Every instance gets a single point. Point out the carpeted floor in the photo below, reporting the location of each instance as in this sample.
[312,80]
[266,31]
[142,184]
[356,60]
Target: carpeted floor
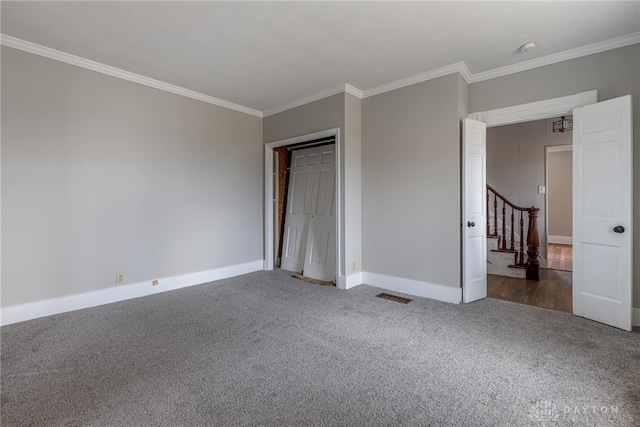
[268,349]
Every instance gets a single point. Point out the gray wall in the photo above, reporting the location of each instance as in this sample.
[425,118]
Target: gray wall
[326,113]
[560,193]
[411,182]
[516,165]
[613,73]
[100,176]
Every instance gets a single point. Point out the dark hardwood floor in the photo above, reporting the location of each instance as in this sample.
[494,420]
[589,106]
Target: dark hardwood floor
[553,291]
[560,257]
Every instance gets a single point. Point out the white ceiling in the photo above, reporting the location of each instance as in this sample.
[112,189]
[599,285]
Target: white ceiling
[264,55]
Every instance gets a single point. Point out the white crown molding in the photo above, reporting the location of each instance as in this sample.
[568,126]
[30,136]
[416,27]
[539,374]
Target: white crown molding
[465,73]
[78,61]
[558,57]
[463,70]
[352,90]
[312,98]
[458,67]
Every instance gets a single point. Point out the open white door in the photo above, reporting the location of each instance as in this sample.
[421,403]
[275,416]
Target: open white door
[602,212]
[303,187]
[474,211]
[320,259]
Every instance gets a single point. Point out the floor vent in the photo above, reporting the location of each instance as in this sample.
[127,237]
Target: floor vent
[394,298]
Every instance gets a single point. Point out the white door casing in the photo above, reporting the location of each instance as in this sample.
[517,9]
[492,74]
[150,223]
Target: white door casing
[602,201]
[474,218]
[320,258]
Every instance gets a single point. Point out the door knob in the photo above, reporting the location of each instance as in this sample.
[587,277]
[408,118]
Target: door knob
[471,224]
[618,229]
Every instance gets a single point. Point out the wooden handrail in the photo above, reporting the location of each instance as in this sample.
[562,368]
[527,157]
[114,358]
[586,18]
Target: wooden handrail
[532,266]
[497,193]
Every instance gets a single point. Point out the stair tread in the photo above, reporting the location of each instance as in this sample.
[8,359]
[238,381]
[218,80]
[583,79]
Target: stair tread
[510,251]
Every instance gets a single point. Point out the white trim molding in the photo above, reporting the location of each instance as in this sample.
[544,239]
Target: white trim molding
[559,148]
[98,67]
[561,240]
[458,67]
[346,88]
[590,49]
[304,138]
[269,192]
[462,69]
[352,90]
[413,287]
[34,310]
[535,110]
[350,281]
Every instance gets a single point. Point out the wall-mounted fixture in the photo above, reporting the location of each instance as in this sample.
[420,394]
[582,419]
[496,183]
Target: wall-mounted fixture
[563,124]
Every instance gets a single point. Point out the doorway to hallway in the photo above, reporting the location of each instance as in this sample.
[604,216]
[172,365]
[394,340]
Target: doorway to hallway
[553,291]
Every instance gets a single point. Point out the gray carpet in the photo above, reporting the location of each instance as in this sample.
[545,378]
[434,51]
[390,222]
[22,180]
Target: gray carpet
[268,349]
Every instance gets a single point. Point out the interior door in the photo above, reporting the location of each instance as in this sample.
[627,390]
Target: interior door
[320,259]
[309,242]
[303,177]
[474,218]
[602,212]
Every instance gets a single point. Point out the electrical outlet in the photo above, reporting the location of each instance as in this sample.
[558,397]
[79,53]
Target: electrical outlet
[353,266]
[119,278]
[154,283]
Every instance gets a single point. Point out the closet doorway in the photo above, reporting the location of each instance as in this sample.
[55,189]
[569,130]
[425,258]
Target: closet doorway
[308,237]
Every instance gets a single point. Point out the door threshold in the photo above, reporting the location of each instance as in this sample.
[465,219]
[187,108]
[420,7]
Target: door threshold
[314,281]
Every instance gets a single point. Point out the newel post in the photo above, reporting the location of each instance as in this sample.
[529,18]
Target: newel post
[533,243]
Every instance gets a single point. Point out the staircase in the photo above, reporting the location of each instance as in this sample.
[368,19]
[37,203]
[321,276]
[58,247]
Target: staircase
[501,263]
[505,245]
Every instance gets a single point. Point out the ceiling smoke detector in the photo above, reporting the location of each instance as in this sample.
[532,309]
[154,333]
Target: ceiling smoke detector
[527,47]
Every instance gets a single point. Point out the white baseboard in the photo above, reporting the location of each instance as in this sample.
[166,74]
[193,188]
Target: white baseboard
[350,281]
[560,240]
[635,317]
[33,310]
[413,287]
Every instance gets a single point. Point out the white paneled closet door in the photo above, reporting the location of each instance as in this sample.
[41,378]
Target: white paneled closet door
[310,230]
